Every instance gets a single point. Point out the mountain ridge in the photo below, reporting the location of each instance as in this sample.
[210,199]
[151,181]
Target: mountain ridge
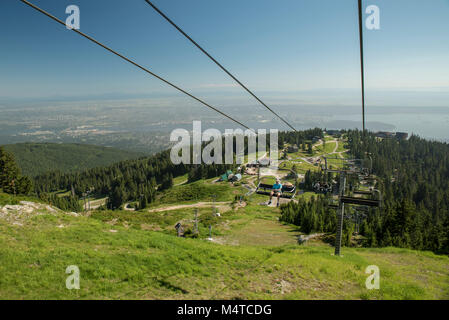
[35,158]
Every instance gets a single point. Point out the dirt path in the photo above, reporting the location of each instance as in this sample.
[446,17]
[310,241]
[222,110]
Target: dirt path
[250,186]
[194,205]
[262,157]
[317,144]
[126,208]
[181,183]
[95,204]
[271,171]
[326,154]
[336,147]
[339,153]
[259,232]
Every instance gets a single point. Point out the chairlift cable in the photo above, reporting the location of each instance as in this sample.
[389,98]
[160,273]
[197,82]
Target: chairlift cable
[135,64]
[218,64]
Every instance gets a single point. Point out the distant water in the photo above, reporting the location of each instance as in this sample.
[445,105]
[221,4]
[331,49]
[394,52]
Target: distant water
[429,123]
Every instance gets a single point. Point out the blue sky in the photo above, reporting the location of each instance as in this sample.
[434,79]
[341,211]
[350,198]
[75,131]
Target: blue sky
[301,49]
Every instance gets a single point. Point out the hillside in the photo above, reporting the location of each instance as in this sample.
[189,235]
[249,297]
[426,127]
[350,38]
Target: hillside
[38,158]
[414,193]
[136,255]
[250,250]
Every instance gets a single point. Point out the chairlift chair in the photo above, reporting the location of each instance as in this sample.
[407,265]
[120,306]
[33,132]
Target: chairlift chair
[322,187]
[287,191]
[373,202]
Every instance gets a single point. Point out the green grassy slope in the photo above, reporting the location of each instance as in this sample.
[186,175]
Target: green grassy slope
[139,264]
[9,199]
[253,256]
[37,158]
[136,254]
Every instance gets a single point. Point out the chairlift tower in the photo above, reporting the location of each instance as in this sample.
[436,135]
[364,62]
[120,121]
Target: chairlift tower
[341,213]
[350,167]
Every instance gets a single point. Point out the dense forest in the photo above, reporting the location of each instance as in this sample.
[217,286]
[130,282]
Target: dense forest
[413,176]
[38,158]
[126,180]
[138,180]
[300,137]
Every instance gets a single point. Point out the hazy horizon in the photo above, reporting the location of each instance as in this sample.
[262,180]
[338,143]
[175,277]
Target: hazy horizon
[300,57]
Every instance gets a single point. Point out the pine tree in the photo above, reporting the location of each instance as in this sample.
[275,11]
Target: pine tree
[143,202]
[10,179]
[309,148]
[386,241]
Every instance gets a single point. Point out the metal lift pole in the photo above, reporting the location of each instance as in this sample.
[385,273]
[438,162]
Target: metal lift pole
[361,61]
[341,214]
